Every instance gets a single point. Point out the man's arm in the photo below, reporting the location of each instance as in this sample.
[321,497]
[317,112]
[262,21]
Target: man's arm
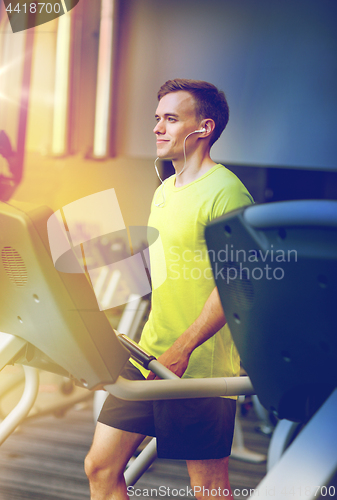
[209,322]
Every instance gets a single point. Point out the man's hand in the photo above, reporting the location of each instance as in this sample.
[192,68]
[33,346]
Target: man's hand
[175,359]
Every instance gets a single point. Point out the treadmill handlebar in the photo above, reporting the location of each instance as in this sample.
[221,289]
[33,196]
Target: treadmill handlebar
[136,352]
[139,390]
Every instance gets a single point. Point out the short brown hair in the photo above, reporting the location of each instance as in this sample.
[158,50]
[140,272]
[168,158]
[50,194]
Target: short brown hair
[209,101]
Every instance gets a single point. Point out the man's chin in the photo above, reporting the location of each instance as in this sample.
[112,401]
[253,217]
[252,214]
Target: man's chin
[162,156]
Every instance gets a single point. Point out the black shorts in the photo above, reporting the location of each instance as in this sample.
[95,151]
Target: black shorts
[186,429]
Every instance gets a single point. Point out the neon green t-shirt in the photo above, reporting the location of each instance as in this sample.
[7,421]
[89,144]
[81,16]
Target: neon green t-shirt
[181,220]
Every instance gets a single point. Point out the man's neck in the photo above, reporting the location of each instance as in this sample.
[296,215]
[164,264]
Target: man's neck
[195,168]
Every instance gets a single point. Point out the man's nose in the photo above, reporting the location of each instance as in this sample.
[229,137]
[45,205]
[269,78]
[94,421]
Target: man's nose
[159,128]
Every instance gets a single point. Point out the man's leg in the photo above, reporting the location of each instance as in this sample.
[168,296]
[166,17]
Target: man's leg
[106,461]
[209,478]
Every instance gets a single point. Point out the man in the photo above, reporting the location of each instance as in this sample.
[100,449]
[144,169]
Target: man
[187,328]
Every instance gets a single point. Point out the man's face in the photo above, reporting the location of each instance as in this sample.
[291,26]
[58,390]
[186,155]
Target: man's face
[176,119]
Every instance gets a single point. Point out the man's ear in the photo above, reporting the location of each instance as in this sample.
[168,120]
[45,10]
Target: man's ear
[209,125]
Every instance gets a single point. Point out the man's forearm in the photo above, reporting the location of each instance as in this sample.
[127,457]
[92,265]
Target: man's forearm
[210,321]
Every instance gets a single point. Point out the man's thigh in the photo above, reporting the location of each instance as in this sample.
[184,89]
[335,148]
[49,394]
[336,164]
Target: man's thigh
[113,447]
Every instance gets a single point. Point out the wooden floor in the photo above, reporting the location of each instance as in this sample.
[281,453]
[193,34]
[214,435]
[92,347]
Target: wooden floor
[43,460]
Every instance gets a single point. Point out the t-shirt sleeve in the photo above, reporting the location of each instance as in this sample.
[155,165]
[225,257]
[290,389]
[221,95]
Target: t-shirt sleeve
[234,195]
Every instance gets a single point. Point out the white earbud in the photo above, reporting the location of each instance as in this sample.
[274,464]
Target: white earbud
[201,130]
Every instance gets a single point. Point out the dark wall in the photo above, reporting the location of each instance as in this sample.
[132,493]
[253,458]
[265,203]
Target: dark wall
[278,184]
[276,62]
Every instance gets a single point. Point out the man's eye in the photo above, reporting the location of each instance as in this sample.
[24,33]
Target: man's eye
[170,119]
